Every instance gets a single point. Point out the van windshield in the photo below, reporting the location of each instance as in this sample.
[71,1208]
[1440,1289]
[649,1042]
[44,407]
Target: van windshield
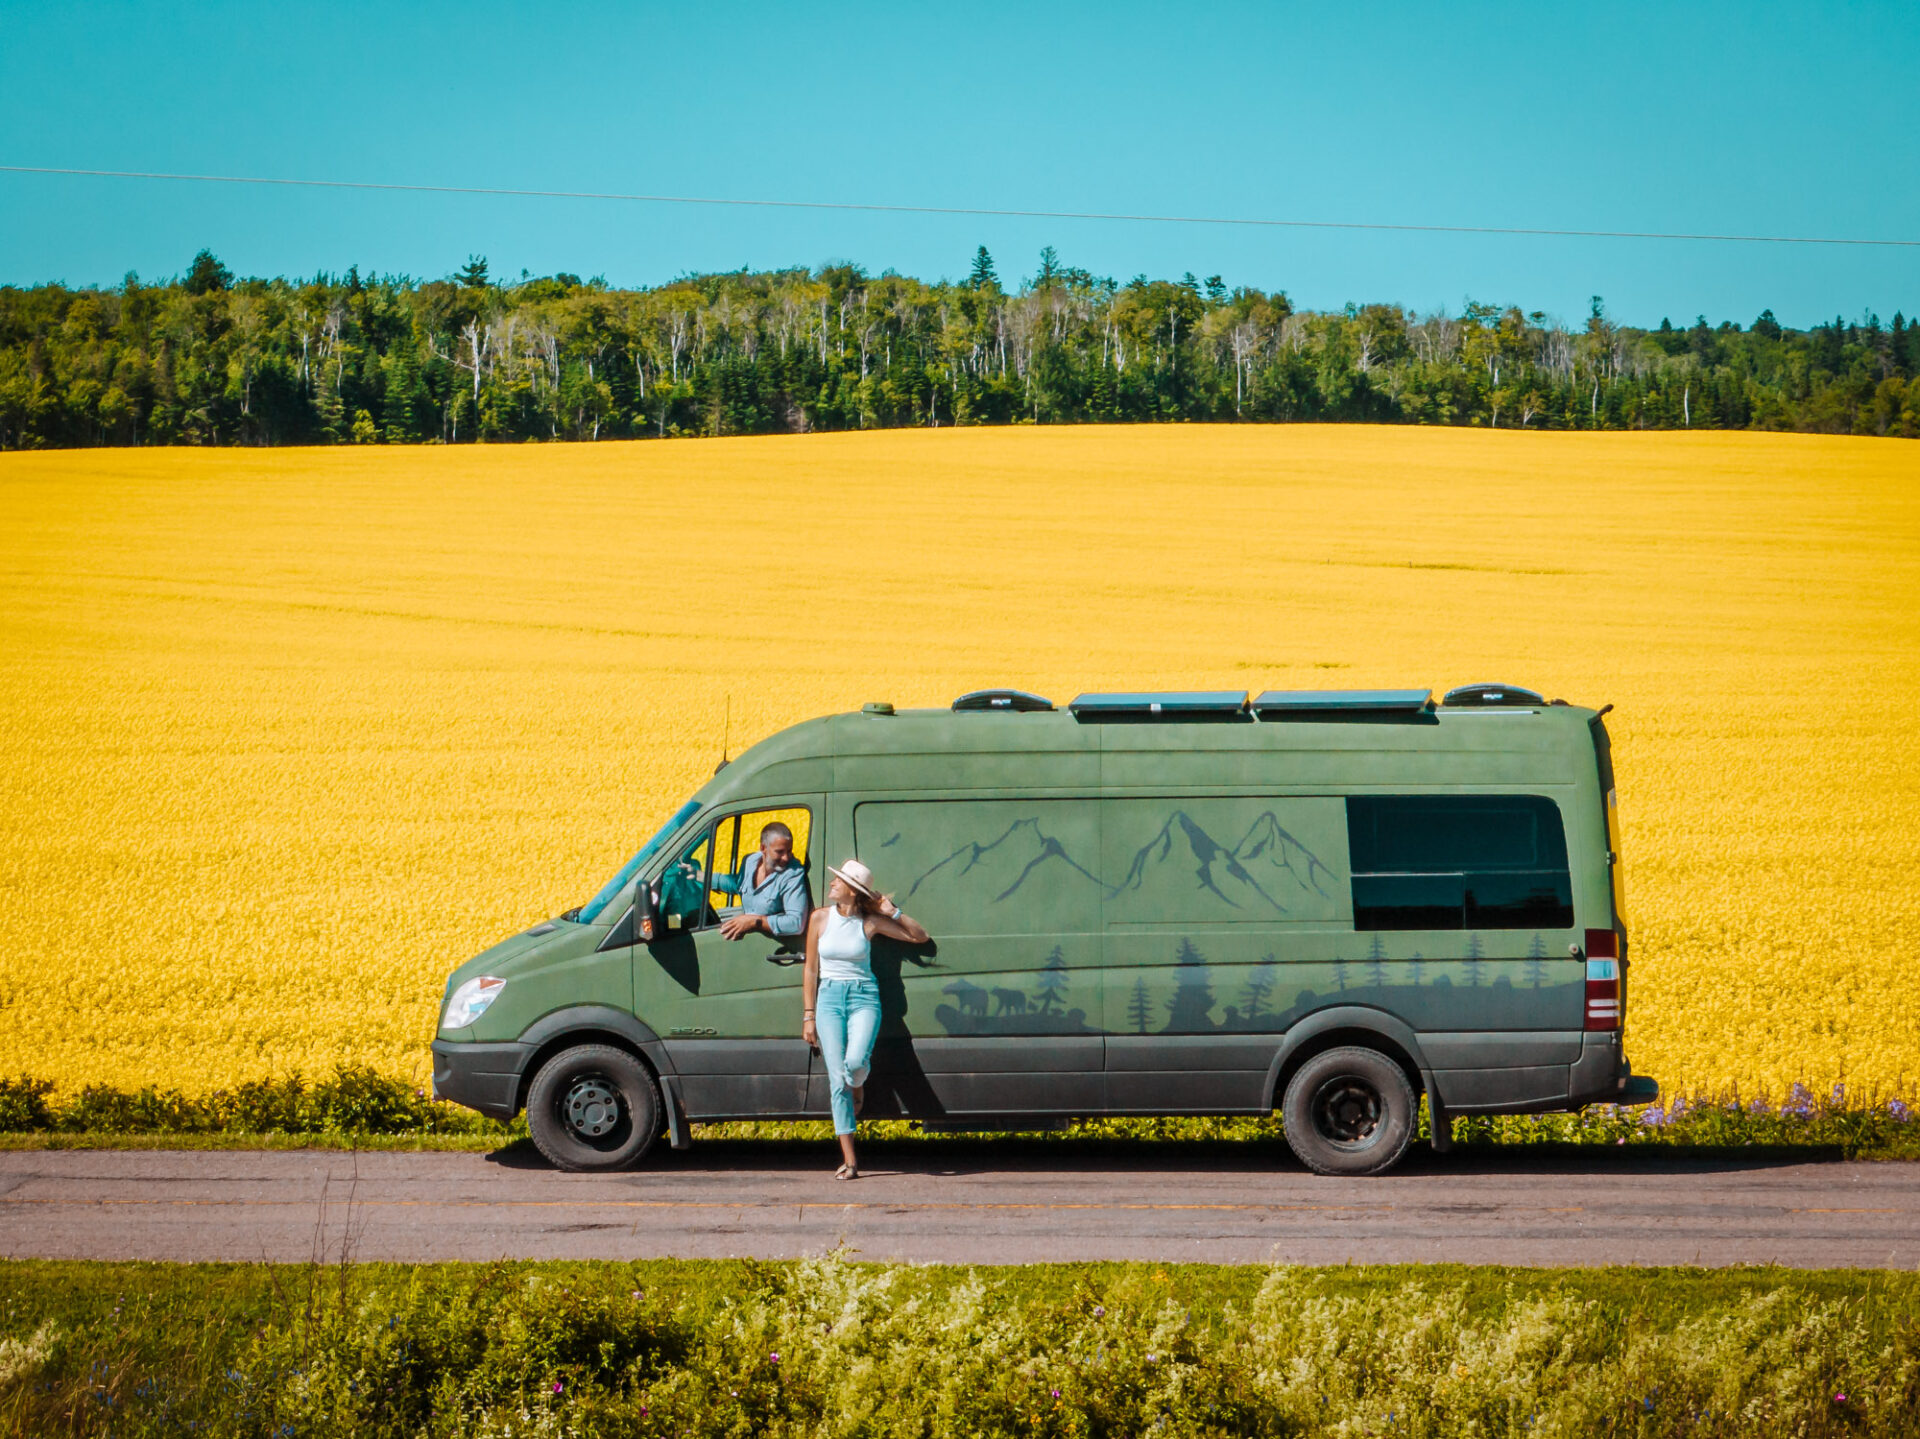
[590,911]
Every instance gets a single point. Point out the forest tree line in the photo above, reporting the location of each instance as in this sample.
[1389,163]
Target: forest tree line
[349,359]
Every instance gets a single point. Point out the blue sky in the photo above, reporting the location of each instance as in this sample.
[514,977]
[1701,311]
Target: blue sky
[1730,117]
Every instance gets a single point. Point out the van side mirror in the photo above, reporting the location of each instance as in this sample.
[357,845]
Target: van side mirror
[646,914]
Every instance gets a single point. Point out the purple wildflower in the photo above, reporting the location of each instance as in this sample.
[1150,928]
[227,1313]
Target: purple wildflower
[1897,1109]
[558,1386]
[1099,1311]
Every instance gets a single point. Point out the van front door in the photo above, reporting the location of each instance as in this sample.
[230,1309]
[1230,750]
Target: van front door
[728,1011]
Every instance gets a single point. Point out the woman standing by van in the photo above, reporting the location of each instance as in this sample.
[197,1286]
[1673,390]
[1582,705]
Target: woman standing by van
[842,1015]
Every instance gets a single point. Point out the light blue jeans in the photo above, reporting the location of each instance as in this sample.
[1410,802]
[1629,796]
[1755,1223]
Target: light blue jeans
[846,1014]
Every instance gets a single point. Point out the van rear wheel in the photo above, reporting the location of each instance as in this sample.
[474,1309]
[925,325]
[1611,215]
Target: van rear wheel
[593,1107]
[1349,1111]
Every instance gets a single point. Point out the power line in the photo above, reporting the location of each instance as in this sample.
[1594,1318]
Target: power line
[957,209]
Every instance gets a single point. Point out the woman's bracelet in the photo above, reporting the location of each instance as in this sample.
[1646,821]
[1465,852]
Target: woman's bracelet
[806,1014]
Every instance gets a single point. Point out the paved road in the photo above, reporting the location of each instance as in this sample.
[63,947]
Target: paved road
[958,1202]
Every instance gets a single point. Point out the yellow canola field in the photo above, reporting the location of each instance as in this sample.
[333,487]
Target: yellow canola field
[287,734]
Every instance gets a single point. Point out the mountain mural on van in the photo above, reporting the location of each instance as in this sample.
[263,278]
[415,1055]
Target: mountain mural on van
[1266,871]
[996,869]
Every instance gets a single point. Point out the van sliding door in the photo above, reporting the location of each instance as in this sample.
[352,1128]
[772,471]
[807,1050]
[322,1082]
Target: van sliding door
[1003,1017]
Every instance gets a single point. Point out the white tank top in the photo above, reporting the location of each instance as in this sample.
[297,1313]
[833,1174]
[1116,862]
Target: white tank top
[844,950]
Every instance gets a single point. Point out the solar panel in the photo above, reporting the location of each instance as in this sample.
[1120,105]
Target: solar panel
[1166,705]
[1343,704]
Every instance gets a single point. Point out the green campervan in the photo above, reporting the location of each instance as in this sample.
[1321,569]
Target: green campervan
[1326,902]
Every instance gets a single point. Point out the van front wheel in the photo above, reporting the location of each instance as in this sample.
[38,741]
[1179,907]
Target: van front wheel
[1349,1111]
[593,1107]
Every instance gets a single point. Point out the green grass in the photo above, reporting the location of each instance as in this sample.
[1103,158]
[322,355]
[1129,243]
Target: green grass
[828,1347]
[359,1108]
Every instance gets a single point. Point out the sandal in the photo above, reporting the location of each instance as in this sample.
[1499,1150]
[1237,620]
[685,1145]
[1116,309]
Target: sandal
[846,1171]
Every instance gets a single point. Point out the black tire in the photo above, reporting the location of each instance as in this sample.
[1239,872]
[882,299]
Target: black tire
[594,1107]
[1349,1111]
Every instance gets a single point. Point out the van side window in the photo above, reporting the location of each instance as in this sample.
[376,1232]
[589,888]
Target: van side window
[688,895]
[1458,862]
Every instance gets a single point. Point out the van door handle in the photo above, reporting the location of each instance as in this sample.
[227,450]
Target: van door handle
[785,956]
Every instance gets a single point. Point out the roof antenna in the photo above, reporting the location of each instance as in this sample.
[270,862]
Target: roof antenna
[726,736]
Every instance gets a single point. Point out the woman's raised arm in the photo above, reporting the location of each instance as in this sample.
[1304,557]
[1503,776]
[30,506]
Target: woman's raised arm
[895,923]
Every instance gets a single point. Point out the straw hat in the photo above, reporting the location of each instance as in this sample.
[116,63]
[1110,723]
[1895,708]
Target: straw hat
[857,875]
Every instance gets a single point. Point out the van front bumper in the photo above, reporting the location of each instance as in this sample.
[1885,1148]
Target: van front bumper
[485,1077]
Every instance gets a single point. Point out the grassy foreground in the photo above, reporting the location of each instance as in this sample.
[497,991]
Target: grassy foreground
[826,1347]
[357,1108]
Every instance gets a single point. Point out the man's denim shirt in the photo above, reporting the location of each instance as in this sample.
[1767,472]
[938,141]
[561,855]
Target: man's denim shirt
[784,899]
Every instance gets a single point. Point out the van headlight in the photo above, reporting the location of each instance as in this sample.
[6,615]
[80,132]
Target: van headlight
[470,1001]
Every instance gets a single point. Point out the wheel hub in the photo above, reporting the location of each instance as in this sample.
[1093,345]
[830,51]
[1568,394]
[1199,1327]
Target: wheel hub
[592,1108]
[1347,1111]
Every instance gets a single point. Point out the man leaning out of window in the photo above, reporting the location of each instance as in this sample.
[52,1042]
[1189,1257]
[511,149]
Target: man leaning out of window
[772,889]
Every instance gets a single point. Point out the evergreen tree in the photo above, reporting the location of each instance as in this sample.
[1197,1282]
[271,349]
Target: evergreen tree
[1139,1007]
[1190,1009]
[1537,961]
[206,275]
[1476,954]
[1053,983]
[473,274]
[1259,985]
[1377,963]
[982,277]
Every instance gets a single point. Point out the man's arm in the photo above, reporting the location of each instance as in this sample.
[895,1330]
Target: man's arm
[791,918]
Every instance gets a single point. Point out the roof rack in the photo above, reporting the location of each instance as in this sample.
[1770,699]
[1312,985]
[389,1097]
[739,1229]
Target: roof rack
[1377,706]
[1217,706]
[1018,700]
[1491,694]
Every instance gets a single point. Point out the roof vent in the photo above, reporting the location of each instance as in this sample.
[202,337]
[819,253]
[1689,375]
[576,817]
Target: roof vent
[1478,696]
[1019,700]
[1189,706]
[876,707]
[1379,706]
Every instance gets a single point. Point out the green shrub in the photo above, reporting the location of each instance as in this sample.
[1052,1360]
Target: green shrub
[355,1099]
[23,1104]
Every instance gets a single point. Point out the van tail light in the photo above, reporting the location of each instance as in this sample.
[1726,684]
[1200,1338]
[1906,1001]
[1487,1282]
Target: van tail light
[1603,980]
